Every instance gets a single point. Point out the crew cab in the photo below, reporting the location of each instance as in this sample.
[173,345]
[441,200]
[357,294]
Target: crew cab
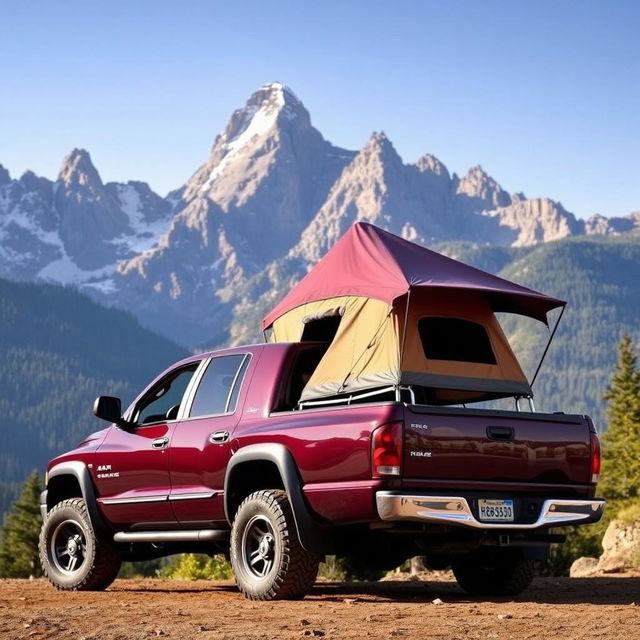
[219,455]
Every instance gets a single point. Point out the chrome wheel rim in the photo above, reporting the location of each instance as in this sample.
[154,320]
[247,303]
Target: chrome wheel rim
[258,547]
[68,547]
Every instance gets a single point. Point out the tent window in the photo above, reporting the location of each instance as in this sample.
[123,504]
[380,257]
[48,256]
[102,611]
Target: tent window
[455,339]
[321,330]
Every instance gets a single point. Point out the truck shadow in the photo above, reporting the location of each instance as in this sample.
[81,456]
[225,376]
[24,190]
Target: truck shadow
[599,591]
[610,590]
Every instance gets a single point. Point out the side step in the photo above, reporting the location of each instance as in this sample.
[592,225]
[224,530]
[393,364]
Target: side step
[202,535]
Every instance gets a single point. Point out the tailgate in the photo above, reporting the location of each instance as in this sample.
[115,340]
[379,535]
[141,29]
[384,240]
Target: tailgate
[498,446]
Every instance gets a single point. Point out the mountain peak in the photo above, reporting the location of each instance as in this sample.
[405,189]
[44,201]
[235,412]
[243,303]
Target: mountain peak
[271,118]
[265,108]
[282,91]
[380,137]
[430,164]
[5,178]
[78,168]
[380,144]
[479,185]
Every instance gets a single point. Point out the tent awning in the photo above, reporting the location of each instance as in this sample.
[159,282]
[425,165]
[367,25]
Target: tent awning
[373,263]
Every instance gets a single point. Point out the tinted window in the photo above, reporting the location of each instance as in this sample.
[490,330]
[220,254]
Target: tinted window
[455,339]
[165,396]
[214,391]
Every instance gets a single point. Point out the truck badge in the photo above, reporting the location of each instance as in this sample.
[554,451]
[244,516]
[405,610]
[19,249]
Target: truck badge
[104,471]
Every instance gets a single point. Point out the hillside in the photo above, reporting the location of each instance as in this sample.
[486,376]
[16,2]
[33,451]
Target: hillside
[58,351]
[600,280]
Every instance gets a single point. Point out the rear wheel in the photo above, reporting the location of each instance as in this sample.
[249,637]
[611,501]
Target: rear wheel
[71,556]
[268,561]
[493,572]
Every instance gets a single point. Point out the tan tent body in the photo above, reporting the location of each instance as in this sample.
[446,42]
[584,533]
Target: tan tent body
[443,341]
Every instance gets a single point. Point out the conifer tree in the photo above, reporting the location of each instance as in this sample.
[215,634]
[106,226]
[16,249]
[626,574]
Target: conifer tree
[19,536]
[621,442]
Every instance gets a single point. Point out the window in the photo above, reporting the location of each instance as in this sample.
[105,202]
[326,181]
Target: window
[219,388]
[455,339]
[321,330]
[163,401]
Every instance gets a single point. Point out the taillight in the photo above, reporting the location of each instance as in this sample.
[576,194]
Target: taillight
[595,458]
[386,450]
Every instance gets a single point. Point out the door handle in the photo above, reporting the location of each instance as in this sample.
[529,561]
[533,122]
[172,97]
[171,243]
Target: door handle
[160,443]
[501,433]
[219,436]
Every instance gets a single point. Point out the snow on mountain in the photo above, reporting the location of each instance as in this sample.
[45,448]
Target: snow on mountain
[267,173]
[269,170]
[76,229]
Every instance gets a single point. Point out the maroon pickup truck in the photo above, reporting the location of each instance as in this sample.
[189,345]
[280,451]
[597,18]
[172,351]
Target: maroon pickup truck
[219,455]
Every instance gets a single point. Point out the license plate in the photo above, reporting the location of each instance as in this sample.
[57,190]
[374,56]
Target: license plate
[496,510]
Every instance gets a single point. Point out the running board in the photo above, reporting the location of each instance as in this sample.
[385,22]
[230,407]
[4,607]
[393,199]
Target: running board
[202,535]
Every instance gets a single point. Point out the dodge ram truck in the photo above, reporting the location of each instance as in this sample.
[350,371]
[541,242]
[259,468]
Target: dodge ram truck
[220,455]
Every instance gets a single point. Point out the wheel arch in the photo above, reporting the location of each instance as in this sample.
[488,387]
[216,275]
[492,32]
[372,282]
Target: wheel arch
[278,467]
[69,480]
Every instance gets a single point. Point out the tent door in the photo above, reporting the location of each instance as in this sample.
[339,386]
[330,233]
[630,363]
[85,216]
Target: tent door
[321,329]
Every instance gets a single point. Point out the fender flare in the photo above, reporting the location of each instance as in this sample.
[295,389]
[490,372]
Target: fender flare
[79,471]
[312,535]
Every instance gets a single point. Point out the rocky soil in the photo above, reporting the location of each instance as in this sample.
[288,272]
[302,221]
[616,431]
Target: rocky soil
[597,607]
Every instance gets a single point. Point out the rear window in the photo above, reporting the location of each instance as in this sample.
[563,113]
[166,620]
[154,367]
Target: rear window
[455,339]
[220,386]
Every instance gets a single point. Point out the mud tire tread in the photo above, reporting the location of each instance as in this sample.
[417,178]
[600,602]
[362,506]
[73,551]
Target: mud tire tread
[298,569]
[103,564]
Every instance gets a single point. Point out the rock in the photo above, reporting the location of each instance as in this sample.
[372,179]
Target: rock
[437,601]
[621,547]
[583,567]
[612,564]
[417,565]
[504,616]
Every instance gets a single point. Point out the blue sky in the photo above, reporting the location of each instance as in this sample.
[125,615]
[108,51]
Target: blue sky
[545,95]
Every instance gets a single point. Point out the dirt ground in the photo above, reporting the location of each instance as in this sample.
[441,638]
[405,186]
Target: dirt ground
[601,607]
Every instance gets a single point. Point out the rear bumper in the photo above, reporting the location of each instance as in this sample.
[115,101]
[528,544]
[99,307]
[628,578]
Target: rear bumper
[455,510]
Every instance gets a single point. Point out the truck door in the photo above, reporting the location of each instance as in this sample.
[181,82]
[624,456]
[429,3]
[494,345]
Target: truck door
[131,468]
[200,444]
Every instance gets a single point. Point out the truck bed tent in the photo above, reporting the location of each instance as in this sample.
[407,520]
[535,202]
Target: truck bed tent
[397,314]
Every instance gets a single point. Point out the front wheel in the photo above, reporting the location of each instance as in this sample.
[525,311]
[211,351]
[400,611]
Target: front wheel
[71,556]
[268,561]
[493,572]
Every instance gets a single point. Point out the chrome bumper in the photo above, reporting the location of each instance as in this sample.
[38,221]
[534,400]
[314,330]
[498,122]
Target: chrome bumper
[455,510]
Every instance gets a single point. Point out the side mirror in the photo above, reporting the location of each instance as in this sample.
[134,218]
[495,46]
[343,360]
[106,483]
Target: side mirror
[108,408]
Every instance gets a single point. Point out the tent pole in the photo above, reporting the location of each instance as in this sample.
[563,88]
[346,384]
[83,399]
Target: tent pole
[544,354]
[404,330]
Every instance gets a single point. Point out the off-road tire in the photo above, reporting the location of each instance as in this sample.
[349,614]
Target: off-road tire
[99,563]
[493,572]
[264,522]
